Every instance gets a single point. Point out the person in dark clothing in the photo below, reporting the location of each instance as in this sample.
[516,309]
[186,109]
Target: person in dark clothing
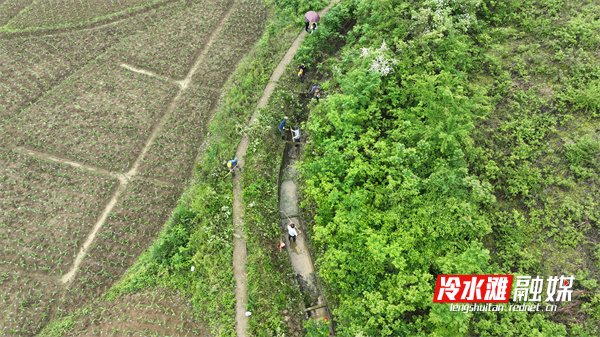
[306,24]
[315,92]
[314,88]
[302,71]
[282,127]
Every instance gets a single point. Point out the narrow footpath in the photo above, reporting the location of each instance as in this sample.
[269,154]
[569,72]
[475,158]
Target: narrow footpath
[239,242]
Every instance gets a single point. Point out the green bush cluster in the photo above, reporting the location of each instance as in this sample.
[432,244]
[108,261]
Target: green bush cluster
[457,160]
[316,328]
[583,156]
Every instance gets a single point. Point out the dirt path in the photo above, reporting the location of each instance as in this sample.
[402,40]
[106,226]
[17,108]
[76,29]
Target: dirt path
[151,74]
[124,179]
[239,242]
[57,159]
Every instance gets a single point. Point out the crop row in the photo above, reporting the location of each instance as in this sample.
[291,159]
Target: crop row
[156,313]
[169,45]
[130,228]
[76,120]
[47,209]
[73,99]
[10,8]
[61,12]
[235,39]
[25,303]
[31,66]
[174,151]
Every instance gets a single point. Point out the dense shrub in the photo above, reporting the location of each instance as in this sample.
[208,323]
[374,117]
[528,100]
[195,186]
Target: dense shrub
[437,152]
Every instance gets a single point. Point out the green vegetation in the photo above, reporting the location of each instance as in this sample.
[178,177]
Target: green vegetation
[454,137]
[272,288]
[316,328]
[273,292]
[459,137]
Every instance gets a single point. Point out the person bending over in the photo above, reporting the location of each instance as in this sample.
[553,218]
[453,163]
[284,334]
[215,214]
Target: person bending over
[292,232]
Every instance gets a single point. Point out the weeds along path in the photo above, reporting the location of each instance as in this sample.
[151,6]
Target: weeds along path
[239,242]
[156,128]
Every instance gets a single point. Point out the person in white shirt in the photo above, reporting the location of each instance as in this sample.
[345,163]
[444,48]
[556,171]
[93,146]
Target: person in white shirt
[292,232]
[296,134]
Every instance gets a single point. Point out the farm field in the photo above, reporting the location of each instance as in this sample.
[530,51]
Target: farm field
[140,314]
[103,107]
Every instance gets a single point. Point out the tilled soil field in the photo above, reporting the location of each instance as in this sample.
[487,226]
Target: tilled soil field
[103,108]
[141,314]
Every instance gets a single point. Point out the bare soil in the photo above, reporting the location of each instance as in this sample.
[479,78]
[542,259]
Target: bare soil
[96,155]
[61,12]
[156,312]
[47,210]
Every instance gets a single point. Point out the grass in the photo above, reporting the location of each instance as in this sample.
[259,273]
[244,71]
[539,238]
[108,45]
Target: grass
[539,147]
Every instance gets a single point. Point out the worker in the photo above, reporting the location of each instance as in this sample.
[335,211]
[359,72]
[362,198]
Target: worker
[232,165]
[314,88]
[302,71]
[282,127]
[296,134]
[292,232]
[315,91]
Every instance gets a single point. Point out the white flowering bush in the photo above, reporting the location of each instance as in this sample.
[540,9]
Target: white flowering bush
[381,63]
[451,15]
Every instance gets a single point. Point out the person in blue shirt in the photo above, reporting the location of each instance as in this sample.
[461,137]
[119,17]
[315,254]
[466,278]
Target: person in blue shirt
[232,164]
[314,88]
[282,128]
[315,92]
